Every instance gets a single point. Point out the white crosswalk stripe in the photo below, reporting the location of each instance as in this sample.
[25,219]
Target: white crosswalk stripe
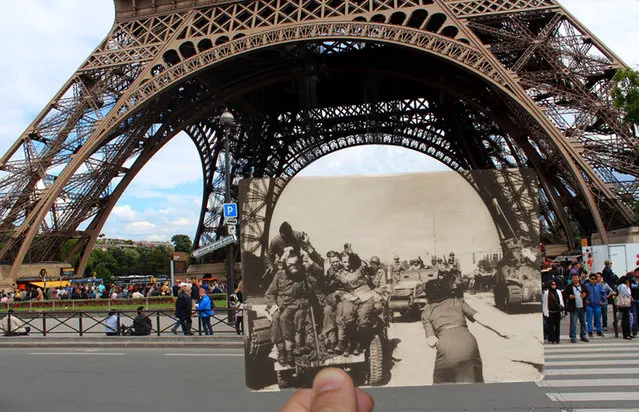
[599,376]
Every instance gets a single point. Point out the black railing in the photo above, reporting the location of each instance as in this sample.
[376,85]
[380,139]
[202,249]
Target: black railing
[94,322]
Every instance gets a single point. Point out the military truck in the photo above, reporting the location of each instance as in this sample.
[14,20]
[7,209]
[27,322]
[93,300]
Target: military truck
[368,368]
[407,296]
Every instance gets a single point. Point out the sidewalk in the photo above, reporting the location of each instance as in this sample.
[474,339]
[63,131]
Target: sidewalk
[226,341]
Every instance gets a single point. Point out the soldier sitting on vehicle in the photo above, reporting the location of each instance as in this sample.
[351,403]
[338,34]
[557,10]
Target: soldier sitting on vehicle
[287,303]
[329,325]
[356,307]
[289,238]
[317,299]
[395,269]
[375,274]
[416,264]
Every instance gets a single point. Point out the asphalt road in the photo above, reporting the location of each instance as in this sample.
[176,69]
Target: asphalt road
[174,380]
[598,376]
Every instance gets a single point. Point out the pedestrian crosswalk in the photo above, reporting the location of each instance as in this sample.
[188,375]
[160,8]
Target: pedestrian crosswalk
[597,376]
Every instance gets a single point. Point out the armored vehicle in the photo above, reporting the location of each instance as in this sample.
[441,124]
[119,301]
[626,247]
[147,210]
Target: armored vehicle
[515,285]
[407,295]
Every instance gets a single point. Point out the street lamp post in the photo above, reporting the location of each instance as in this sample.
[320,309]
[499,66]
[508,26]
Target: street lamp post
[226,121]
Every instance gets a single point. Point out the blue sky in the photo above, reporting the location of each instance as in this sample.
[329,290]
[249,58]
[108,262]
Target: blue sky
[44,41]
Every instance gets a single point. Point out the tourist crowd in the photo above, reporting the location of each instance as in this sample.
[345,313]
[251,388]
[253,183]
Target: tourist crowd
[570,291]
[102,291]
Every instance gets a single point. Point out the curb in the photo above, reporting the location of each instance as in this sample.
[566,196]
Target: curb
[212,345]
[124,342]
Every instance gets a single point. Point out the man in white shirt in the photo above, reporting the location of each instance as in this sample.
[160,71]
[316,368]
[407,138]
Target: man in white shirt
[111,325]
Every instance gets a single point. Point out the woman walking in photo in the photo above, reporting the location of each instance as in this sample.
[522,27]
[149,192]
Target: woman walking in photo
[444,319]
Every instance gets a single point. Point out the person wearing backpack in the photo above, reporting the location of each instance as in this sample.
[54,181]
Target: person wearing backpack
[206,311]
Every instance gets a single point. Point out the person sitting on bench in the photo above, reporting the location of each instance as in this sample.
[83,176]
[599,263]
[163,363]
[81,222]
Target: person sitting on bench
[112,326]
[14,326]
[141,324]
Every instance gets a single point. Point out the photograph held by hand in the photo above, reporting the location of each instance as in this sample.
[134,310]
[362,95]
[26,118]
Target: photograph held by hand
[333,391]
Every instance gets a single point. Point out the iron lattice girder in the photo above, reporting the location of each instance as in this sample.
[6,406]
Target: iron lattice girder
[306,148]
[570,74]
[150,51]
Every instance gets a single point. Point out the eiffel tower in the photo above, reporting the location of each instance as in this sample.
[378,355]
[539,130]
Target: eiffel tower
[476,84]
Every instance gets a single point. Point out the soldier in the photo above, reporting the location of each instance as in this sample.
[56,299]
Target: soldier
[317,299]
[287,303]
[440,267]
[375,273]
[355,309]
[415,264]
[291,241]
[395,269]
[329,325]
[453,269]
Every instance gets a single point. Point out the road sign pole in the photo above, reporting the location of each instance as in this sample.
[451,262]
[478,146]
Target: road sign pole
[230,278]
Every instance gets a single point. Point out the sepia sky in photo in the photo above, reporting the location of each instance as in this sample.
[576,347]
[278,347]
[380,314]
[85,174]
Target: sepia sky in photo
[407,215]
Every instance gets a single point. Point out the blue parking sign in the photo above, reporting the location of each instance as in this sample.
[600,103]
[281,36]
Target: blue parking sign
[230,210]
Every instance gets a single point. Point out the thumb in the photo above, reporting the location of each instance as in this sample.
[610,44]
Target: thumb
[333,391]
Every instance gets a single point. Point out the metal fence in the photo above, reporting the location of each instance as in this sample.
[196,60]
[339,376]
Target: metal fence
[94,322]
[108,304]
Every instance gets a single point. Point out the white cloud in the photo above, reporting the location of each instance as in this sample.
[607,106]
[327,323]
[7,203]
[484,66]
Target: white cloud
[177,163]
[183,222]
[159,238]
[372,160]
[140,227]
[43,43]
[124,212]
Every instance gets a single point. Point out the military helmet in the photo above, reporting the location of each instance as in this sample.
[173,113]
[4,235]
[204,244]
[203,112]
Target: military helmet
[294,270]
[375,259]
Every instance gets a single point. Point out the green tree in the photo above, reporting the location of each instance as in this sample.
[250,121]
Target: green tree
[145,262]
[66,249]
[626,93]
[127,260]
[103,264]
[161,260]
[182,243]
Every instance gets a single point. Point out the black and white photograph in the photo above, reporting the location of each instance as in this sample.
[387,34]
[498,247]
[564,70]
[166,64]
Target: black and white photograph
[400,280]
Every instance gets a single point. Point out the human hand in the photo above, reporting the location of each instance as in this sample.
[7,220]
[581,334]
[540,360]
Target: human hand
[288,250]
[333,391]
[431,341]
[348,248]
